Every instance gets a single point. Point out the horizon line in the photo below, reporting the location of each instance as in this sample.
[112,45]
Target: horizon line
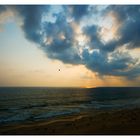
[69,87]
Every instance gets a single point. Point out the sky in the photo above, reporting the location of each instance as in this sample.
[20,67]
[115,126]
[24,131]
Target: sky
[92,45]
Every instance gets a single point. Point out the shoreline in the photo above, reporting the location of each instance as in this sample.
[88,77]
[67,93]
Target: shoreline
[110,122]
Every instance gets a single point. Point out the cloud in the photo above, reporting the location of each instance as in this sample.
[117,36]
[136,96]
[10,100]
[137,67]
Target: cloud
[61,45]
[32,17]
[58,39]
[130,29]
[105,59]
[78,11]
[121,64]
[95,41]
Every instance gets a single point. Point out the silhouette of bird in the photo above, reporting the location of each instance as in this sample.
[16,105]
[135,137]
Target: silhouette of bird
[59,70]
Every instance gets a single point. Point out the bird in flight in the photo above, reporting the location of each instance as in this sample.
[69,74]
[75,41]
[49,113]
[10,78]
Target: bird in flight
[59,70]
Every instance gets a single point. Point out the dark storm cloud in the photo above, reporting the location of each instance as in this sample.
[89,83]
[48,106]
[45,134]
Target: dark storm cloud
[62,37]
[78,11]
[122,64]
[92,32]
[98,61]
[32,15]
[130,30]
[125,11]
[95,41]
[119,65]
[36,31]
[57,38]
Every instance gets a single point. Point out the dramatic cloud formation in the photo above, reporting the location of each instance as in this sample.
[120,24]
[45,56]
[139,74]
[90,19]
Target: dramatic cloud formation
[103,43]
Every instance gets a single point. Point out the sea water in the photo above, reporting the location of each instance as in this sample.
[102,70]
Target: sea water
[19,104]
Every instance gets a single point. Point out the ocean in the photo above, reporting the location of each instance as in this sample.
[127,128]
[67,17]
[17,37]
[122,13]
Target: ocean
[18,105]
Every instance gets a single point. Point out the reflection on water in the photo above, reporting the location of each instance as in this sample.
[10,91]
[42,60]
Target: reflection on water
[30,104]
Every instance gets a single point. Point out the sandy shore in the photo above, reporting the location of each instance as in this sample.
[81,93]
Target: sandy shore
[104,122]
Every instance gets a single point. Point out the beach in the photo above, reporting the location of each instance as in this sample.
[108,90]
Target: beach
[93,123]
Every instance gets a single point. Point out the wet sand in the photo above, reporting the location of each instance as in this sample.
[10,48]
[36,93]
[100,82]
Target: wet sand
[93,123]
